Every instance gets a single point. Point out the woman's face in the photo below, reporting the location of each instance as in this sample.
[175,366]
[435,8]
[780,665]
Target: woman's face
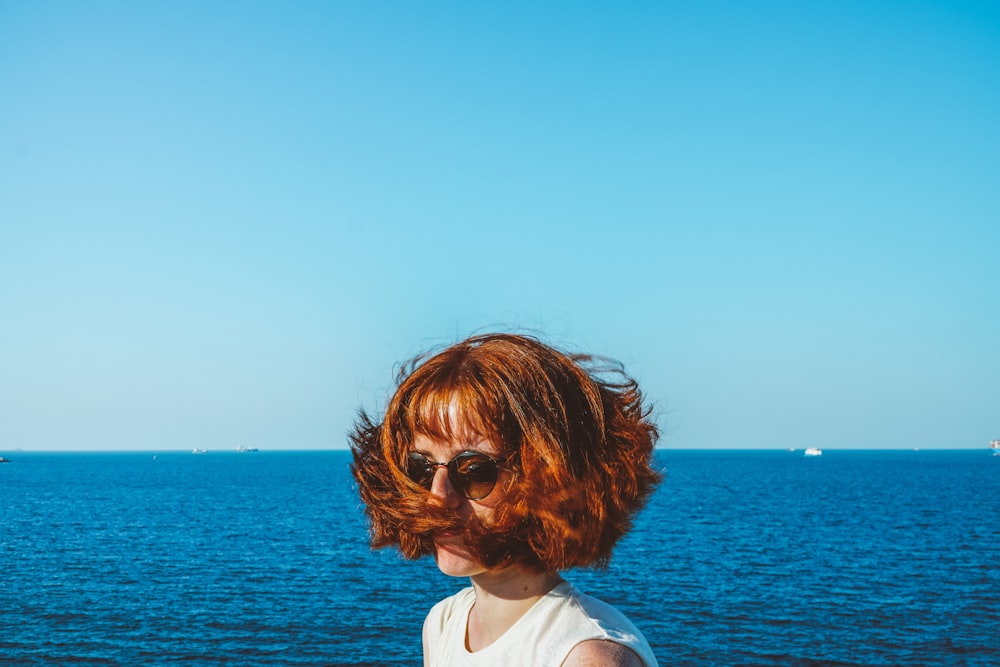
[451,553]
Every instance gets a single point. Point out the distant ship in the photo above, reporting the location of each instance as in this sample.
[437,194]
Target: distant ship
[813,451]
[197,451]
[244,448]
[995,446]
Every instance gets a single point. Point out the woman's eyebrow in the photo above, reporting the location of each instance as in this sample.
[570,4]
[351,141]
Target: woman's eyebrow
[423,452]
[485,447]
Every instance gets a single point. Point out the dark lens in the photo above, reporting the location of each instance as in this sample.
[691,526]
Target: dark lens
[419,469]
[473,475]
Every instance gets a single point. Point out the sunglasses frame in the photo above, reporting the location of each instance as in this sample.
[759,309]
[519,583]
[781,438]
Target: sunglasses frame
[454,475]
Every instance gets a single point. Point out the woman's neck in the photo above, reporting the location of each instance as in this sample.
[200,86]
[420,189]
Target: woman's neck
[502,597]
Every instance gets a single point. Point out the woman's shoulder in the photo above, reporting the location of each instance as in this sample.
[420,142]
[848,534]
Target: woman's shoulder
[603,653]
[601,613]
[612,638]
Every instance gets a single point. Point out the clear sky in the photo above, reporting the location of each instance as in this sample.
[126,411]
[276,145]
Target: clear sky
[226,223]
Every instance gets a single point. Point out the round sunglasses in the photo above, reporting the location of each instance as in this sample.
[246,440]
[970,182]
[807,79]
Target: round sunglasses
[472,474]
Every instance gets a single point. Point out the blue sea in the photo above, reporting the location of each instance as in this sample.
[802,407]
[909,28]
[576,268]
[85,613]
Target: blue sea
[741,558]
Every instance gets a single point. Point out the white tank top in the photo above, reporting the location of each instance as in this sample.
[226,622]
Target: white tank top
[543,637]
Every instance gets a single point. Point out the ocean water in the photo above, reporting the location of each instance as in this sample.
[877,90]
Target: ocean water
[741,558]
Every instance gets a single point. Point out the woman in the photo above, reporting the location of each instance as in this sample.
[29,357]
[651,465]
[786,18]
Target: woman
[510,461]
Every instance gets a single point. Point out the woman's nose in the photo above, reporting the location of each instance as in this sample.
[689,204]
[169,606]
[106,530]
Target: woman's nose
[442,488]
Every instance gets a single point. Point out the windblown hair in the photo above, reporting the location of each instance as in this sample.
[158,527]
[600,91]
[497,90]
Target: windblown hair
[578,438]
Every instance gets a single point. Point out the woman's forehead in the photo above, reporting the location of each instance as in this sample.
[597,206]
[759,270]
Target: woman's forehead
[457,426]
[450,417]
[452,426]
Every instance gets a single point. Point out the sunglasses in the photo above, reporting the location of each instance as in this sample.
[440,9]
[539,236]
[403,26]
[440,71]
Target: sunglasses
[472,474]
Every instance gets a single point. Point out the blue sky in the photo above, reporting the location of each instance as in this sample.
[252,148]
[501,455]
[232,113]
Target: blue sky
[226,223]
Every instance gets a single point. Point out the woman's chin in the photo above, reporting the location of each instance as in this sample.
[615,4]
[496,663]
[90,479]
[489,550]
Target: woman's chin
[455,560]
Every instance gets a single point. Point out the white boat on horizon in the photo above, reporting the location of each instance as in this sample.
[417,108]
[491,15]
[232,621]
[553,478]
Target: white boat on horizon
[813,451]
[197,451]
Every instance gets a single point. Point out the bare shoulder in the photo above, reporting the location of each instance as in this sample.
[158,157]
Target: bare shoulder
[600,653]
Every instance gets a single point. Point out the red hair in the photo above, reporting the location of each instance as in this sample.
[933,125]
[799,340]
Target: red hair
[579,438]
